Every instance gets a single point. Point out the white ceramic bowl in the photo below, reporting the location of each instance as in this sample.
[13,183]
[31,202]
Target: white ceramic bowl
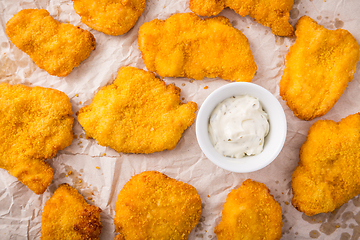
[274,141]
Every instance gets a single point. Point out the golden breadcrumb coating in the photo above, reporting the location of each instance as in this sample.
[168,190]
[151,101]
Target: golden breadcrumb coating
[113,17]
[66,215]
[329,168]
[153,206]
[270,13]
[138,113]
[186,46]
[318,68]
[55,47]
[250,213]
[34,124]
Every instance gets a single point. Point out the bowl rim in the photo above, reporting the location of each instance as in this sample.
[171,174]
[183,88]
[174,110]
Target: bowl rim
[274,142]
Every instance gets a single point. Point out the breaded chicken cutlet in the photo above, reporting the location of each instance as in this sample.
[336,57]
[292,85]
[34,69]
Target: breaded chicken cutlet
[138,113]
[34,124]
[186,46]
[270,13]
[153,206]
[318,68]
[55,47]
[328,174]
[66,215]
[250,213]
[113,17]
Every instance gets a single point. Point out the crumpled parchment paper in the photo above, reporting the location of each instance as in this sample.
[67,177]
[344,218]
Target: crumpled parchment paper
[99,173]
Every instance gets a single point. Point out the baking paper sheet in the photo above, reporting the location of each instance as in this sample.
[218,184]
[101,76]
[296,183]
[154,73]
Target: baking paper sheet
[103,172]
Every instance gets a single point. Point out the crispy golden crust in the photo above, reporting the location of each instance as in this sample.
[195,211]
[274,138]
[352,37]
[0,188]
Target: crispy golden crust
[55,47]
[34,124]
[138,113]
[153,206]
[270,13]
[66,215]
[186,46]
[113,17]
[329,166]
[250,212]
[318,68]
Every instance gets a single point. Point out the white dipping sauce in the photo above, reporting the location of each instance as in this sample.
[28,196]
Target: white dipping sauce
[238,126]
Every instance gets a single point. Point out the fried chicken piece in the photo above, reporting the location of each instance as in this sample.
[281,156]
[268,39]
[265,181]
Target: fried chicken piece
[34,124]
[318,68]
[55,47]
[270,13]
[153,206]
[250,212]
[138,113]
[66,215]
[328,174]
[186,46]
[113,17]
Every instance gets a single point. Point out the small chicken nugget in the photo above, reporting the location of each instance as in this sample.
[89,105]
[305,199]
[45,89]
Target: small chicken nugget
[138,113]
[328,174]
[318,68]
[34,124]
[186,46]
[55,47]
[66,215]
[250,213]
[270,13]
[153,206]
[113,17]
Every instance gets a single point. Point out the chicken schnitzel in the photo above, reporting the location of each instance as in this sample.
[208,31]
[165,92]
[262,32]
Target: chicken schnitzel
[328,174]
[138,113]
[35,123]
[55,47]
[186,46]
[113,17]
[250,213]
[66,215]
[318,68]
[270,13]
[153,206]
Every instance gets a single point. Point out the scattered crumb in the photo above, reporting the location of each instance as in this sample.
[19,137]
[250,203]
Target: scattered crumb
[80,136]
[75,136]
[93,200]
[206,87]
[76,95]
[183,99]
[287,203]
[97,167]
[69,172]
[103,154]
[80,181]
[183,84]
[79,102]
[87,137]
[89,198]
[208,195]
[191,81]
[337,226]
